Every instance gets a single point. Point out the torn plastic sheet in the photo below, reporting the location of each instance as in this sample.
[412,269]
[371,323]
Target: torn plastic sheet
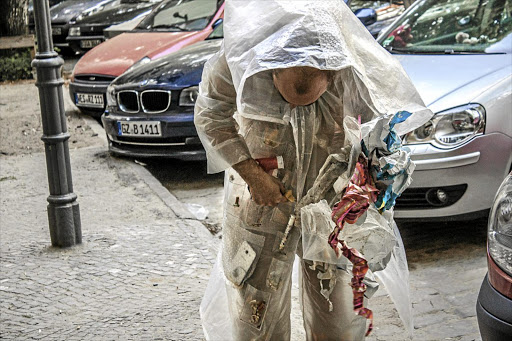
[214,310]
[372,235]
[395,278]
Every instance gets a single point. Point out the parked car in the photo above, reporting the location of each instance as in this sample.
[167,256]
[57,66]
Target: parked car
[386,12]
[168,28]
[150,109]
[459,56]
[62,15]
[117,29]
[87,31]
[494,303]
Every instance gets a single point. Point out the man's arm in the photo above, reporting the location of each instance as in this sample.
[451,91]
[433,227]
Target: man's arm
[213,117]
[265,189]
[218,132]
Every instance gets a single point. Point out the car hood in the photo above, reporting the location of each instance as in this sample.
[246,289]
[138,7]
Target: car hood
[116,15]
[437,76]
[177,70]
[116,55]
[66,11]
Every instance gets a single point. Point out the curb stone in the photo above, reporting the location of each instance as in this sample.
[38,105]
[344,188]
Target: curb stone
[167,197]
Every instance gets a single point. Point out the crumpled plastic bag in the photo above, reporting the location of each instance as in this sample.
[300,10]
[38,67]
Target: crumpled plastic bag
[317,225]
[372,235]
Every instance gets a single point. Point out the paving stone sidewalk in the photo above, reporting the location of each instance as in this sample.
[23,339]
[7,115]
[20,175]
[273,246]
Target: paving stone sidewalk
[139,274]
[142,268]
[144,263]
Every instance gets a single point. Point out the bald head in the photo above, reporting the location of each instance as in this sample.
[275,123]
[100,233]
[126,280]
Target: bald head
[301,85]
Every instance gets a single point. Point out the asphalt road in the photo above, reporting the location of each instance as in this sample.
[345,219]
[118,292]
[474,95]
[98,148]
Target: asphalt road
[190,183]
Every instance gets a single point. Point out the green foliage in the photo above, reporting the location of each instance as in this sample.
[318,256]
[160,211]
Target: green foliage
[15,65]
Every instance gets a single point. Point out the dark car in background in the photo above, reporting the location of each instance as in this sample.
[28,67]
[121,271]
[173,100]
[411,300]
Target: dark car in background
[87,30]
[62,15]
[494,303]
[150,109]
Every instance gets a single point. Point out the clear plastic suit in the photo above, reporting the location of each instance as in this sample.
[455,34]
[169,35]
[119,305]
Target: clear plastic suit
[239,115]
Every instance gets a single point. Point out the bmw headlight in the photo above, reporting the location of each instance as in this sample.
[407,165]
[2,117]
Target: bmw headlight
[138,63]
[499,237]
[188,96]
[111,97]
[74,31]
[451,128]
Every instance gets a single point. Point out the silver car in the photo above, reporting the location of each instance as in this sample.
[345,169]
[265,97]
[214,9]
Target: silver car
[459,56]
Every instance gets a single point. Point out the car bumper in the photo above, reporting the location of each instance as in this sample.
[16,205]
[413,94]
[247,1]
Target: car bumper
[470,174]
[83,43]
[89,87]
[179,137]
[59,35]
[494,313]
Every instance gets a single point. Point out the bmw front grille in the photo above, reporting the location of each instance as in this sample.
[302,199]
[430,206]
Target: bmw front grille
[147,101]
[128,101]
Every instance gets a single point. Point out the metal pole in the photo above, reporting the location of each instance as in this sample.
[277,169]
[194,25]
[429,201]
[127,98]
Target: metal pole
[63,210]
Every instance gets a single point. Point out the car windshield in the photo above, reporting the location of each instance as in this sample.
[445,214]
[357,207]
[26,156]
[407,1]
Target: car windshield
[181,15]
[453,26]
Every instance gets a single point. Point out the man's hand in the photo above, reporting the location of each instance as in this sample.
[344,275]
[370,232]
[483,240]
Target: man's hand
[265,189]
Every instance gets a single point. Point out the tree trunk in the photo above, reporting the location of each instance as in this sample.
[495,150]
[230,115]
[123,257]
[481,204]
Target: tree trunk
[13,17]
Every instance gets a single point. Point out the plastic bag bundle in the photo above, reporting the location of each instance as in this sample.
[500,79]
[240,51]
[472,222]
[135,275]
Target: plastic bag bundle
[361,226]
[391,166]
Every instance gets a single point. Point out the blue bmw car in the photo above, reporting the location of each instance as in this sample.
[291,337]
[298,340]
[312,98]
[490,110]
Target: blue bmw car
[150,108]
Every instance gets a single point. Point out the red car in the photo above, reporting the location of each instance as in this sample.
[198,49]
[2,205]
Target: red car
[169,27]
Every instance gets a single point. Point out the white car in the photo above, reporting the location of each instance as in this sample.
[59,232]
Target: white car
[459,56]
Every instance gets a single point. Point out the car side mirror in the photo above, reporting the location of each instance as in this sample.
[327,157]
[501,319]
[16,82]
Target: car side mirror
[178,15]
[367,16]
[217,23]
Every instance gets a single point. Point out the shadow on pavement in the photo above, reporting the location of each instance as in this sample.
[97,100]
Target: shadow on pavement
[183,175]
[426,242]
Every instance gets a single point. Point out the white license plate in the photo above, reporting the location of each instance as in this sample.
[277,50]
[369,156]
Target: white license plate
[139,128]
[56,31]
[87,44]
[89,100]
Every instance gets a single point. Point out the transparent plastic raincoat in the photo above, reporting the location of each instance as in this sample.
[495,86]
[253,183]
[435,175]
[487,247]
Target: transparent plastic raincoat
[239,114]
